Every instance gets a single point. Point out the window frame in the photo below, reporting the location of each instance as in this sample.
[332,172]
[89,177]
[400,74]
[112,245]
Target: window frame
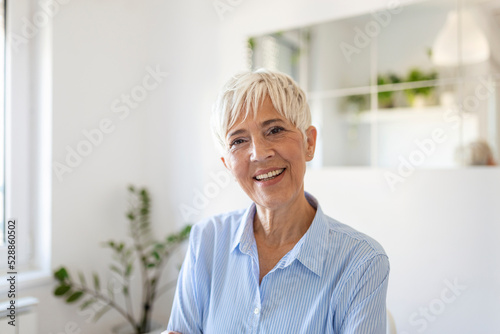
[28,143]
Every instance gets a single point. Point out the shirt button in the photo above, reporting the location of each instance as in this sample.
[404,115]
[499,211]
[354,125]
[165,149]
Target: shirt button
[256,311]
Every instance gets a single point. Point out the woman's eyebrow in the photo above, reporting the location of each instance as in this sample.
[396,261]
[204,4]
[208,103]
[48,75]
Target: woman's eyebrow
[235,133]
[270,121]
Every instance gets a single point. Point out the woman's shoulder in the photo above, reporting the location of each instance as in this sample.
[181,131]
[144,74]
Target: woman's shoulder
[351,238]
[343,235]
[221,227]
[220,222]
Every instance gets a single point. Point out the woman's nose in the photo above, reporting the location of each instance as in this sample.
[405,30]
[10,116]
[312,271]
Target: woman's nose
[260,150]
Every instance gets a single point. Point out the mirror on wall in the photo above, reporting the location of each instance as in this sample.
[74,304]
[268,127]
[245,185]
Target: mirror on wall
[417,84]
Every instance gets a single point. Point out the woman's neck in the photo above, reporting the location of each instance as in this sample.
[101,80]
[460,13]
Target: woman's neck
[285,225]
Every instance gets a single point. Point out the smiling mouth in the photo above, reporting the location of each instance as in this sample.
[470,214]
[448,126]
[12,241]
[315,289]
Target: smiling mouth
[269,176]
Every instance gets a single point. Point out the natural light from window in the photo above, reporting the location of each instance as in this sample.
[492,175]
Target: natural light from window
[2,123]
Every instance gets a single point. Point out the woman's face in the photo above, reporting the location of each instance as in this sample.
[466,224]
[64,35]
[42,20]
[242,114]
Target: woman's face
[267,155]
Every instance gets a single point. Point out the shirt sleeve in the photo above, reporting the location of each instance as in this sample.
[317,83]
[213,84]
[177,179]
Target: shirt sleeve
[365,294]
[186,315]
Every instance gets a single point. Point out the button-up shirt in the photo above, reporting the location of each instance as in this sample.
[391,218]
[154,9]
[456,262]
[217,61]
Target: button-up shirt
[334,280]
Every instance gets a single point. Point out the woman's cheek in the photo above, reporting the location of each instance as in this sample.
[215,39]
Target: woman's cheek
[237,165]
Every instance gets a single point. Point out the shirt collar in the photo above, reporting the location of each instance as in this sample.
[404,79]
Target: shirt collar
[244,237]
[310,249]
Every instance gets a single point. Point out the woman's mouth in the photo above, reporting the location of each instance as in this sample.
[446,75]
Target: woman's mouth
[270,175]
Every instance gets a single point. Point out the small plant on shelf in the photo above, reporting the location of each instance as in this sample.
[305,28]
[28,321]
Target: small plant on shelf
[421,93]
[356,103]
[386,98]
[151,256]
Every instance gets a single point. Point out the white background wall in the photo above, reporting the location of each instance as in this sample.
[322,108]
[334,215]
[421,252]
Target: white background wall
[102,48]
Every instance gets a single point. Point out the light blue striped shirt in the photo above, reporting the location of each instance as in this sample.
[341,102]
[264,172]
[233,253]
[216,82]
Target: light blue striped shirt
[334,280]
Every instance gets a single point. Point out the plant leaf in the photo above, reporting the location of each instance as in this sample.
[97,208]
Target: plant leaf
[62,290]
[82,278]
[61,274]
[185,232]
[111,292]
[96,282]
[129,269]
[115,269]
[101,312]
[87,303]
[74,297]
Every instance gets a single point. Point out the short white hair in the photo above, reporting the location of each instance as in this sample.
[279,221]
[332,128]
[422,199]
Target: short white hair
[245,92]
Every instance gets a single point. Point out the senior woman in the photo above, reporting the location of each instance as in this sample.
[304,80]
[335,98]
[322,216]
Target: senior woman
[282,265]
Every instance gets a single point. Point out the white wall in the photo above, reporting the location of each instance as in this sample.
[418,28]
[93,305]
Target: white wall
[102,49]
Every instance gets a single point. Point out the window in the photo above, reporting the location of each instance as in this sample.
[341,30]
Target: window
[26,91]
[2,123]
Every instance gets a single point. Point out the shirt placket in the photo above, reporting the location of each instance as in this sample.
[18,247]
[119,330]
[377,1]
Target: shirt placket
[256,308]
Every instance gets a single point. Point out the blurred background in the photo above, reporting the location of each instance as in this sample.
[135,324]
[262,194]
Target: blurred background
[100,94]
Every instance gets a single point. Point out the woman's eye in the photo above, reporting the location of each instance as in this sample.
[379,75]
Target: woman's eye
[236,142]
[275,130]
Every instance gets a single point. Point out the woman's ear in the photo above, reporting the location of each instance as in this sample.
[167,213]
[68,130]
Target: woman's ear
[311,134]
[229,169]
[224,162]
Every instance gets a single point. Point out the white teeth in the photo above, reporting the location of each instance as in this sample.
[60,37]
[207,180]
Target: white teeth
[270,174]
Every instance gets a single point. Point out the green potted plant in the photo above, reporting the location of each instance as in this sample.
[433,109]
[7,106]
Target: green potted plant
[143,251]
[420,96]
[386,98]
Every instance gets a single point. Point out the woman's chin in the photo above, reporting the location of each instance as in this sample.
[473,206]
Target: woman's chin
[274,200]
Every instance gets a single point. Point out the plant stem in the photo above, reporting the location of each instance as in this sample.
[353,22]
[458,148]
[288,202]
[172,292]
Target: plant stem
[109,302]
[145,296]
[158,271]
[128,299]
